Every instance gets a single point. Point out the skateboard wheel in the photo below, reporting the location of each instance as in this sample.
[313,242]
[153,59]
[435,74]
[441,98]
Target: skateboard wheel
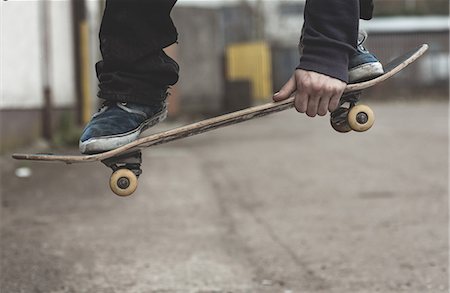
[123,182]
[360,118]
[338,120]
[341,127]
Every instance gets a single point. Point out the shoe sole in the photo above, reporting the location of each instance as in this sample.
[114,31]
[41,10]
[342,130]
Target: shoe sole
[107,143]
[365,72]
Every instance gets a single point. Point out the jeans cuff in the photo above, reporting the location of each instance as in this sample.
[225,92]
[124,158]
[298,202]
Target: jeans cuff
[150,97]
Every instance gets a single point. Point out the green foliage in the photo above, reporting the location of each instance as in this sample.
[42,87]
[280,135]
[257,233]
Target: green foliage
[67,134]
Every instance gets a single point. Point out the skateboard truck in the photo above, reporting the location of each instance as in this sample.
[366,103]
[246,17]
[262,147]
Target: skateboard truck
[354,117]
[126,170]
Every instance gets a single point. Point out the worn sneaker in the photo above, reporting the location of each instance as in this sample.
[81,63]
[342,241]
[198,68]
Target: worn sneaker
[117,124]
[363,65]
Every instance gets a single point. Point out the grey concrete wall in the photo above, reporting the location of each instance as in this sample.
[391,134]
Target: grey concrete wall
[200,56]
[23,127]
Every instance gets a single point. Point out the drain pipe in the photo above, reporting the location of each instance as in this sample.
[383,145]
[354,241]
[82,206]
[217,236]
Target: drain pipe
[45,22]
[82,63]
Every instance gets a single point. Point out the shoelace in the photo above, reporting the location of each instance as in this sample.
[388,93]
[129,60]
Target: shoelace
[124,106]
[362,36]
[106,105]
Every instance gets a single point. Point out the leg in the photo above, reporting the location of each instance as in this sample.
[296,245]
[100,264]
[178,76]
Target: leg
[366,9]
[132,35]
[363,65]
[134,74]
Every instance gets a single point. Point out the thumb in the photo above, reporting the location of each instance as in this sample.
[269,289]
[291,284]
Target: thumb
[286,91]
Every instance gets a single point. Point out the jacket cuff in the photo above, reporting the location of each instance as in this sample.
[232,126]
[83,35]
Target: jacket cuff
[326,60]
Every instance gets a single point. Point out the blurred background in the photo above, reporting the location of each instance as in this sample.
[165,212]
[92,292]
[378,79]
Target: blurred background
[245,50]
[277,204]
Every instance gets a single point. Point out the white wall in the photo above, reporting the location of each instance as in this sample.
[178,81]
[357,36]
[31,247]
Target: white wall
[94,16]
[285,29]
[62,49]
[21,54]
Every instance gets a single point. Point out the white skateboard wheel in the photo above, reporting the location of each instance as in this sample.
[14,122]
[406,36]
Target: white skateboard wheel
[123,182]
[361,118]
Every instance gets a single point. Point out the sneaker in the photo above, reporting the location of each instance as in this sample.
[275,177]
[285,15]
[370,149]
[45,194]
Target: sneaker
[117,124]
[363,65]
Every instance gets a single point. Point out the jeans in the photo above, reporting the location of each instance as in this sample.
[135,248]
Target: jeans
[133,34]
[134,67]
[366,9]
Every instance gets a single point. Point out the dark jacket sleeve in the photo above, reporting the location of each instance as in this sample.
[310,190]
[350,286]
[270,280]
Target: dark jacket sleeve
[329,36]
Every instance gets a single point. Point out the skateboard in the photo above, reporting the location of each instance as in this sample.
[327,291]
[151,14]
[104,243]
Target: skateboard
[125,161]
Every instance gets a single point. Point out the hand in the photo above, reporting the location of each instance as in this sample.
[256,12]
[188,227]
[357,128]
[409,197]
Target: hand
[316,93]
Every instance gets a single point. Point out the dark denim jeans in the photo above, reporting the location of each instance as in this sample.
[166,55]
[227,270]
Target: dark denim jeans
[132,35]
[366,9]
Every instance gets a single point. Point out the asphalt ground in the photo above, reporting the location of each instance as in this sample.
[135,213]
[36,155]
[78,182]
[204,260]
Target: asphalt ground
[278,204]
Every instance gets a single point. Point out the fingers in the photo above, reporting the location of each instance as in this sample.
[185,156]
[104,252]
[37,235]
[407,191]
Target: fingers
[301,101]
[314,89]
[319,93]
[318,105]
[334,102]
[316,94]
[324,105]
[286,91]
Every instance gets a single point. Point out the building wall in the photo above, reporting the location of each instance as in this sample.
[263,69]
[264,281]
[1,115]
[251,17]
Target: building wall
[200,55]
[251,61]
[237,24]
[94,17]
[22,81]
[411,7]
[21,127]
[283,20]
[427,77]
[22,54]
[390,37]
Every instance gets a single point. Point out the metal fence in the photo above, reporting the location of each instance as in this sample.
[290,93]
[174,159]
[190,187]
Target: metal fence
[429,76]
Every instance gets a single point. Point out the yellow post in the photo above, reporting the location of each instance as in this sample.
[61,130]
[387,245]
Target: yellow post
[253,62]
[85,72]
[82,64]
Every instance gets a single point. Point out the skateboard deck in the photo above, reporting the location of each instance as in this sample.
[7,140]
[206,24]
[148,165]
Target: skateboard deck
[351,96]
